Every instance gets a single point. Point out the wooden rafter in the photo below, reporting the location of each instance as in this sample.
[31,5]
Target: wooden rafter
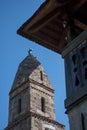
[75,5]
[80,24]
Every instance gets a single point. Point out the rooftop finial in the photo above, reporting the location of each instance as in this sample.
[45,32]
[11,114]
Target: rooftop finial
[30,51]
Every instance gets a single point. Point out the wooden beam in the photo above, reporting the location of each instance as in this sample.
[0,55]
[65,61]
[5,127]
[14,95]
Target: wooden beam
[80,24]
[74,6]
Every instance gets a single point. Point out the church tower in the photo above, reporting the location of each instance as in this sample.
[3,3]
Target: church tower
[31,103]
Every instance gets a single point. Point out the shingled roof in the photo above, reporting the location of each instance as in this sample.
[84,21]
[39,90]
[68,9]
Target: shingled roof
[31,70]
[26,67]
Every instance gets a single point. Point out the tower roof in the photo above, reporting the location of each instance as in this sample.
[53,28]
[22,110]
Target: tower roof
[25,68]
[29,68]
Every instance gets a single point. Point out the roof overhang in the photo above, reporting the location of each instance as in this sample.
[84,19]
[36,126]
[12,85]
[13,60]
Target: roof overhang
[49,25]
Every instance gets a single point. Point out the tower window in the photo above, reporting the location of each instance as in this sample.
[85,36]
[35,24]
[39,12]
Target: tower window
[43,104]
[41,75]
[19,106]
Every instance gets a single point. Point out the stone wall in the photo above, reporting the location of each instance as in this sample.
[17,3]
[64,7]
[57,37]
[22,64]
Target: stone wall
[75,116]
[22,124]
[38,124]
[22,93]
[39,75]
[36,93]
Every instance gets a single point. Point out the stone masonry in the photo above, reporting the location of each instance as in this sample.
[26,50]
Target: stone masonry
[31,103]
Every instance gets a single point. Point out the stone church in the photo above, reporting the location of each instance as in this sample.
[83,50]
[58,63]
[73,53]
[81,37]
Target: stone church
[31,103]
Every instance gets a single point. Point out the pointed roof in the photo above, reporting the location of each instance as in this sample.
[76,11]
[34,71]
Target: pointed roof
[30,69]
[26,67]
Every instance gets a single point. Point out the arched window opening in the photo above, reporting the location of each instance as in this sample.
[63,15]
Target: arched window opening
[19,106]
[41,75]
[43,104]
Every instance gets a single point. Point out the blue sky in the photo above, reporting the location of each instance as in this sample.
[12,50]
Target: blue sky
[14,48]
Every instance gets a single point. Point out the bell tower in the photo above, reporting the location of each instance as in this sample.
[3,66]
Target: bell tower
[31,103]
[75,57]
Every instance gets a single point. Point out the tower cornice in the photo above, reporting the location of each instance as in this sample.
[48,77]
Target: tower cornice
[26,87]
[41,85]
[38,116]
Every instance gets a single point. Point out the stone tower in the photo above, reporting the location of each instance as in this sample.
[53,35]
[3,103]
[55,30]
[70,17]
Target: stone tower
[75,56]
[31,104]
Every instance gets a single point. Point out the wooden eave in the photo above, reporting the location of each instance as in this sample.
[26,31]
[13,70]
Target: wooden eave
[46,26]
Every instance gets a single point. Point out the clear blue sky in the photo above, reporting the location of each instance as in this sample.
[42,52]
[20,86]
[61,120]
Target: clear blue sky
[14,48]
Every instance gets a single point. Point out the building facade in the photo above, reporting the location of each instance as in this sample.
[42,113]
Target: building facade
[75,58]
[31,103]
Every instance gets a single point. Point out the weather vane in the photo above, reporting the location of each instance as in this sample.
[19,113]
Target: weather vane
[30,51]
